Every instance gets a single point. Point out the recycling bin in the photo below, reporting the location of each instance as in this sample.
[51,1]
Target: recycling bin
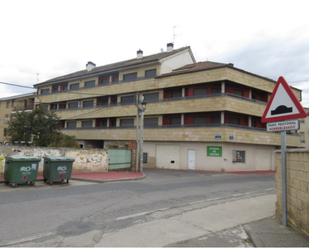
[21,169]
[1,158]
[57,168]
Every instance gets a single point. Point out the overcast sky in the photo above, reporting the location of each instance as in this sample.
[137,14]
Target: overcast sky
[43,39]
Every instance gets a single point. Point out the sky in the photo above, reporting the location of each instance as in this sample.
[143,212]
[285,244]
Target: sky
[43,39]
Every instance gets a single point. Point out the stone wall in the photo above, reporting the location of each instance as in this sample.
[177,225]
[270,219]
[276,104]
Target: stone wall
[86,160]
[297,171]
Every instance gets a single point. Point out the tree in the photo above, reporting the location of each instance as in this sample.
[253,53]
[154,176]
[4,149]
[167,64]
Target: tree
[40,125]
[63,140]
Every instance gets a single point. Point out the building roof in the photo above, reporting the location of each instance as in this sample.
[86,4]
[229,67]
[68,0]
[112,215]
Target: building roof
[206,65]
[114,66]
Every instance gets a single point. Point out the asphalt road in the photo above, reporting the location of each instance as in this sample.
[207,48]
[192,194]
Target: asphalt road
[42,212]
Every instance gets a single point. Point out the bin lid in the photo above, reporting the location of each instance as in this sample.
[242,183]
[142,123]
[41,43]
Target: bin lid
[1,157]
[23,158]
[59,158]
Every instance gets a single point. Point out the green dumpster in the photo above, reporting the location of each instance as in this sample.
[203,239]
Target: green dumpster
[57,168]
[1,158]
[21,169]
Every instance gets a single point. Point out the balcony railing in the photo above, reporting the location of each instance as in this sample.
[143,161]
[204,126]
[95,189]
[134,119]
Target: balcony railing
[171,127]
[168,100]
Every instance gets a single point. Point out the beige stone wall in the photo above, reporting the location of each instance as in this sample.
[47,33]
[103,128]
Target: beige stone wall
[86,160]
[188,135]
[297,165]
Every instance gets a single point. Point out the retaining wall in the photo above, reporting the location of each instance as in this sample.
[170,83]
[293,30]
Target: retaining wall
[86,160]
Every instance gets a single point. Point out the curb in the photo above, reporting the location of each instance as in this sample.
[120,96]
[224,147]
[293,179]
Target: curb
[108,180]
[99,181]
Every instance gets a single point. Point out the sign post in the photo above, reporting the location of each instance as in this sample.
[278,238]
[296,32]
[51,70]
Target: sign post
[283,105]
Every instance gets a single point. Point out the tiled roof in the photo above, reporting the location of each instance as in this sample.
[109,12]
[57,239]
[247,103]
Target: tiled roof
[115,66]
[199,66]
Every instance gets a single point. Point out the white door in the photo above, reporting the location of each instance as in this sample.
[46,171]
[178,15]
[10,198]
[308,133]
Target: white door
[167,156]
[191,159]
[262,159]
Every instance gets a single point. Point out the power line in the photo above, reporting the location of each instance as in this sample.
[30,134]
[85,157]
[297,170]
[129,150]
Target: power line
[5,83]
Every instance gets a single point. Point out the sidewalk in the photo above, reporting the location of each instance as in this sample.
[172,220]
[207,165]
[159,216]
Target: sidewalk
[99,176]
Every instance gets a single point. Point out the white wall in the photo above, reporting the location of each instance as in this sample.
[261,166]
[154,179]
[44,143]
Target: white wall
[256,157]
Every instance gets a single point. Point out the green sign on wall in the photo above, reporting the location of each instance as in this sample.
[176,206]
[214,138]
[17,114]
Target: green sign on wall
[215,151]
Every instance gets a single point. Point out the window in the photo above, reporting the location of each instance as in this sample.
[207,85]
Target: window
[199,91]
[215,90]
[88,103]
[215,120]
[145,157]
[73,105]
[130,77]
[127,122]
[5,132]
[128,99]
[44,91]
[238,156]
[104,81]
[55,88]
[115,78]
[74,86]
[7,104]
[64,87]
[151,122]
[238,92]
[102,101]
[90,83]
[176,121]
[199,120]
[6,118]
[151,73]
[151,97]
[235,121]
[176,94]
[86,124]
[302,137]
[71,124]
[101,122]
[13,103]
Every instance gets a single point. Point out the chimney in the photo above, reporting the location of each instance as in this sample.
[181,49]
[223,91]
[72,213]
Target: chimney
[139,54]
[90,65]
[169,47]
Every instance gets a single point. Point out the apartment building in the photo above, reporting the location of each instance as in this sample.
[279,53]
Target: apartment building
[199,115]
[11,105]
[304,131]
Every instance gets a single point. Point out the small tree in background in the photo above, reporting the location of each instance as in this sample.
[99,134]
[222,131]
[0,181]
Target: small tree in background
[40,125]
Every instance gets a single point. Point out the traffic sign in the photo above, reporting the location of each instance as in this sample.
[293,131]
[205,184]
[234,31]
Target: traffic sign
[288,125]
[283,104]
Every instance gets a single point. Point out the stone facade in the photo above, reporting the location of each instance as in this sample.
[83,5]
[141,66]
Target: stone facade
[86,160]
[297,167]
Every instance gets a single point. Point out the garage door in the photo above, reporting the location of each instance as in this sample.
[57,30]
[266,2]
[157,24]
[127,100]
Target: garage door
[262,159]
[167,156]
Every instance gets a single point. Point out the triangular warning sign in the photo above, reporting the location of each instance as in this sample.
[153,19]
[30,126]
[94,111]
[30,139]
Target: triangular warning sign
[283,104]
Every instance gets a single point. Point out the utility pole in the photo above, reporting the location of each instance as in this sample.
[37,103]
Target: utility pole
[140,109]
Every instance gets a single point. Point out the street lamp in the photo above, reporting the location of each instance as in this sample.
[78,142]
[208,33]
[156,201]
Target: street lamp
[141,107]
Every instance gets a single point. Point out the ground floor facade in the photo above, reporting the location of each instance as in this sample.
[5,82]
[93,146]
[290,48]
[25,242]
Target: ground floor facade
[207,156]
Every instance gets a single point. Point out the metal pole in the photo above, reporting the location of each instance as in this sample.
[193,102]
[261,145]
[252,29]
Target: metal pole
[283,169]
[137,134]
[141,139]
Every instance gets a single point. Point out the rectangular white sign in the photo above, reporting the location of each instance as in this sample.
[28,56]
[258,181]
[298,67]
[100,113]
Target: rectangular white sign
[288,125]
